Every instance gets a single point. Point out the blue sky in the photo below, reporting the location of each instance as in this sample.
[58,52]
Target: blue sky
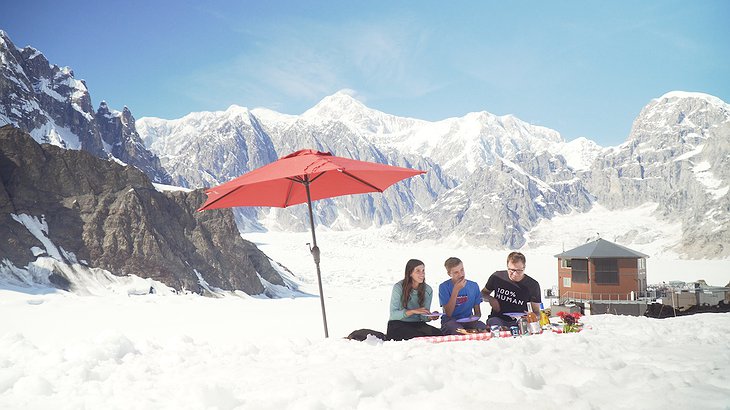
[583,68]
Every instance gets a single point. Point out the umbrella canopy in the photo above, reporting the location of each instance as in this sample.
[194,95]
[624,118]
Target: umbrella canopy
[302,177]
[283,183]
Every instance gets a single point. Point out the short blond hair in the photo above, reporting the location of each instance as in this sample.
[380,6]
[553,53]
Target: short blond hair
[452,262]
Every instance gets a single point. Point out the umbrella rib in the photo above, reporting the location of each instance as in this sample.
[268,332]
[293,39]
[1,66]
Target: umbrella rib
[299,180]
[221,197]
[361,181]
[304,180]
[315,178]
[289,191]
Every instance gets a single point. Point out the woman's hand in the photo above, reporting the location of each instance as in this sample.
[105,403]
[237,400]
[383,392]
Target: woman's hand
[419,311]
[430,318]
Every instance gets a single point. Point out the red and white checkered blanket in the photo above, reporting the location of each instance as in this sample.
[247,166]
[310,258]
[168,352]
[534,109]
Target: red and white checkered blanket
[456,338]
[486,336]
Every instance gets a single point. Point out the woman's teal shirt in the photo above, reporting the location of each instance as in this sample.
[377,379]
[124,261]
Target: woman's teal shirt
[397,312]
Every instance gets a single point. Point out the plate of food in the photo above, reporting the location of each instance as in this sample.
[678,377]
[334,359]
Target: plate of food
[433,314]
[468,331]
[468,319]
[515,315]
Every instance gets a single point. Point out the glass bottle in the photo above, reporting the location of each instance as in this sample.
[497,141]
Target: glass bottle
[544,318]
[533,323]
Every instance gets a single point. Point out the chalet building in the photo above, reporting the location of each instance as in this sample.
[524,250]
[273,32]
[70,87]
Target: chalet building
[601,270]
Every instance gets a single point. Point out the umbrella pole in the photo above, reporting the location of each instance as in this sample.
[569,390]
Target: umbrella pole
[315,255]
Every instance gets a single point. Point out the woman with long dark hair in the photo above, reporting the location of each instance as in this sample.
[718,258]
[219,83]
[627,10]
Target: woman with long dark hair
[409,305]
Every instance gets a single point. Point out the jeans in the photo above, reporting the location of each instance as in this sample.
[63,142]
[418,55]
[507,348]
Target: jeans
[401,330]
[501,320]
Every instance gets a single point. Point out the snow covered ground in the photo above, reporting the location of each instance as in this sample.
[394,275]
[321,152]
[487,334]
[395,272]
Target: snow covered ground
[63,351]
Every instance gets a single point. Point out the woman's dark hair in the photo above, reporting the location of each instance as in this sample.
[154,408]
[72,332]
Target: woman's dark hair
[408,284]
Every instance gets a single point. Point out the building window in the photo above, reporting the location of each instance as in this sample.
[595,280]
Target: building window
[566,282]
[606,271]
[565,263]
[641,264]
[579,270]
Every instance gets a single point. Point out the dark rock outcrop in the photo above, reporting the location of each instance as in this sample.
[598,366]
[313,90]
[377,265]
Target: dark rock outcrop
[112,217]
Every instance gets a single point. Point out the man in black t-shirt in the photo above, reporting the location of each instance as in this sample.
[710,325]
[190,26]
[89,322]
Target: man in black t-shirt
[513,290]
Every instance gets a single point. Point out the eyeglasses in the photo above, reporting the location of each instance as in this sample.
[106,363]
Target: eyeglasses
[515,270]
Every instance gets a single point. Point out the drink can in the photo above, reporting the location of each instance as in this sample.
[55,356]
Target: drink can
[515,331]
[522,325]
[495,330]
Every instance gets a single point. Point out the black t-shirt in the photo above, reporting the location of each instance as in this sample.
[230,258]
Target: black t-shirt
[512,296]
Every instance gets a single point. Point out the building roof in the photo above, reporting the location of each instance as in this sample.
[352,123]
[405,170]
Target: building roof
[600,248]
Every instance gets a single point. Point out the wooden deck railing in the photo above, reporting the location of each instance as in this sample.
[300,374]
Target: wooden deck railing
[582,296]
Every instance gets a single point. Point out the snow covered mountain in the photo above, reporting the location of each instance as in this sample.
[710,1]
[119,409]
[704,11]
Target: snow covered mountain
[204,149]
[491,179]
[54,107]
[677,155]
[480,152]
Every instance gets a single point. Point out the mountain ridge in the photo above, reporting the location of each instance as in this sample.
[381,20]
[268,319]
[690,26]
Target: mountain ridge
[491,179]
[498,176]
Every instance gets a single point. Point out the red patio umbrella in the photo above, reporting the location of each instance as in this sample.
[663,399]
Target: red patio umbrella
[305,176]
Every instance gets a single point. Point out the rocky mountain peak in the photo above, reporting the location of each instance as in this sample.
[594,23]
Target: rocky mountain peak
[678,121]
[237,110]
[580,153]
[677,109]
[103,109]
[98,214]
[5,39]
[343,108]
[341,101]
[339,107]
[30,53]
[53,106]
[677,96]
[678,157]
[127,118]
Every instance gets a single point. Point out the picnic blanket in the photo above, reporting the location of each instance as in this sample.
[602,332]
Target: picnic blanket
[456,338]
[487,335]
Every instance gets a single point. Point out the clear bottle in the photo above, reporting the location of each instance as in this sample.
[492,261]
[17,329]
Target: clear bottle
[533,323]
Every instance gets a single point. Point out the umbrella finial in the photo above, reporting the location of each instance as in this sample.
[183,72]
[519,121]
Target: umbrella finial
[302,152]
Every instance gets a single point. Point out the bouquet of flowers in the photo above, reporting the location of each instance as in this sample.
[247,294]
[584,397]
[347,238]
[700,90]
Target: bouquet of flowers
[571,322]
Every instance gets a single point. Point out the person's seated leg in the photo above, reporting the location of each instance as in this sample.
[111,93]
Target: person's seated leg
[428,330]
[501,321]
[450,327]
[411,330]
[479,325]
[397,330]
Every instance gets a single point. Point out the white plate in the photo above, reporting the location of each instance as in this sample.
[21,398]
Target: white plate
[468,319]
